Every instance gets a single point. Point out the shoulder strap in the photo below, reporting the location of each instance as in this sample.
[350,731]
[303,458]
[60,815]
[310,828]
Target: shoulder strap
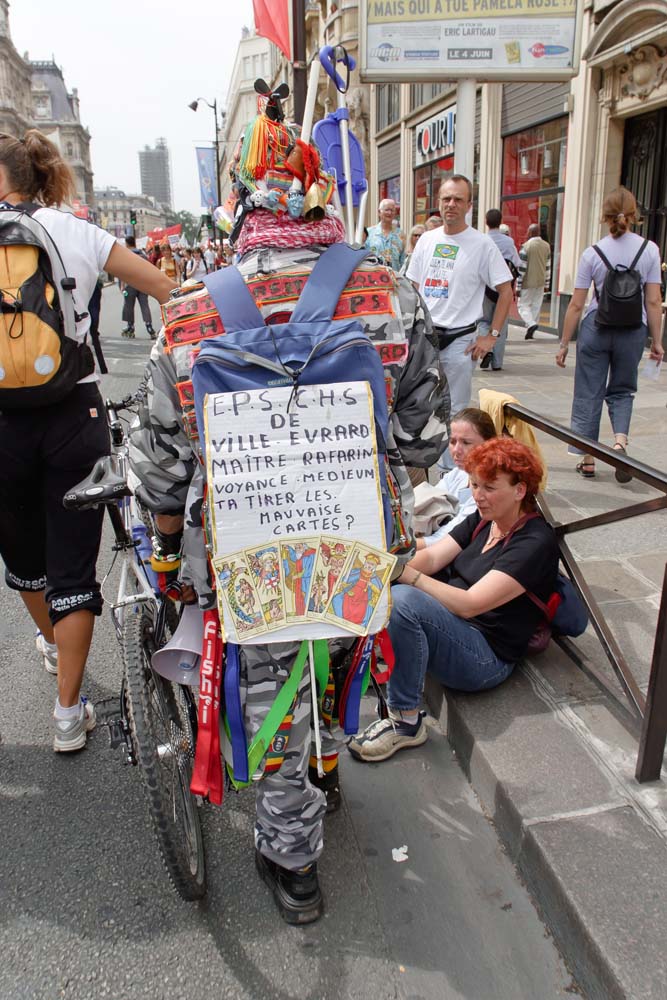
[233,299]
[602,257]
[638,255]
[331,273]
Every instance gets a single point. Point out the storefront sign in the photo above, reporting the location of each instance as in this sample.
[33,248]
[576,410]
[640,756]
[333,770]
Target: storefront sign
[484,39]
[436,136]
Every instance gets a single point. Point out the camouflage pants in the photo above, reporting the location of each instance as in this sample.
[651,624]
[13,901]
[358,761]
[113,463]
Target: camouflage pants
[290,811]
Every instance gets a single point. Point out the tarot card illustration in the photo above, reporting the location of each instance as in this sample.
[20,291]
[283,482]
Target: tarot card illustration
[329,565]
[298,561]
[359,588]
[266,571]
[240,601]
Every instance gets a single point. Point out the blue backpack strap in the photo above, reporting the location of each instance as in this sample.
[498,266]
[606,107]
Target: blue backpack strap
[233,300]
[235,712]
[331,273]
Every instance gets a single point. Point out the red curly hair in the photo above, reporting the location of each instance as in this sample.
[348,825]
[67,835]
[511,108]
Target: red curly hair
[516,460]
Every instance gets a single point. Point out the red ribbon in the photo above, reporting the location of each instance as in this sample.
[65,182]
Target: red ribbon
[384,647]
[207,771]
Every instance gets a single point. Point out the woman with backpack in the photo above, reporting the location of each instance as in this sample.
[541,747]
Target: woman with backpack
[471,631]
[51,438]
[626,307]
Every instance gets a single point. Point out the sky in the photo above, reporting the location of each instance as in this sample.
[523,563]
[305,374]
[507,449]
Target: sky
[137,64]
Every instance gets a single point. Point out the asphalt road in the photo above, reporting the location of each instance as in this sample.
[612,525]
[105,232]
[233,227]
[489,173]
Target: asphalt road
[86,910]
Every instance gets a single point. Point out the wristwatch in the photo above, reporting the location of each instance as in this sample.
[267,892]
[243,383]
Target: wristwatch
[494,333]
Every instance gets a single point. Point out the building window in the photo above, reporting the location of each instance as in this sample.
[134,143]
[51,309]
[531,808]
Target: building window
[246,67]
[532,192]
[387,96]
[70,149]
[422,93]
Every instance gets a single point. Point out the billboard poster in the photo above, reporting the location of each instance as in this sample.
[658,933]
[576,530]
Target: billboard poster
[207,181]
[481,39]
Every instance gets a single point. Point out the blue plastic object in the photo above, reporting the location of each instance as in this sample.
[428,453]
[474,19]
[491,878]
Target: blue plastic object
[326,134]
[145,551]
[328,58]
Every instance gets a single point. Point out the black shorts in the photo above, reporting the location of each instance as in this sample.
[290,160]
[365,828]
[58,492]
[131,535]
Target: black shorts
[43,453]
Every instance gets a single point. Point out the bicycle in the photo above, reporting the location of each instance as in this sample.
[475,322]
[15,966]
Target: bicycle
[157,725]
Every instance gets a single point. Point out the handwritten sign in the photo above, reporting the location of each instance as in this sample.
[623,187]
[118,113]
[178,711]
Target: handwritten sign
[293,486]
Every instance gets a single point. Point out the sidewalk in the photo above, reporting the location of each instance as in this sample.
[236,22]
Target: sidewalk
[550,756]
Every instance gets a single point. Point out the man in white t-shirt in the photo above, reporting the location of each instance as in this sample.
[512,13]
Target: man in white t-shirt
[451,266]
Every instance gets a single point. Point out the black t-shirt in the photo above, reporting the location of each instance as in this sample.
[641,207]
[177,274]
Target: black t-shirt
[530,557]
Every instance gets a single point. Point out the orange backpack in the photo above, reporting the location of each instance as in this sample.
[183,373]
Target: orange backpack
[40,359]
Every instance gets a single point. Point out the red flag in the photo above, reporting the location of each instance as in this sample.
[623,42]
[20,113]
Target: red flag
[272,22]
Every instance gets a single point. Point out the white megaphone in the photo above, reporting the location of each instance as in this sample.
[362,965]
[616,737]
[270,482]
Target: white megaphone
[179,660]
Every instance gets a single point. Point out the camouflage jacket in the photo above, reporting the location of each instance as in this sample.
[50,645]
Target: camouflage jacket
[164,448]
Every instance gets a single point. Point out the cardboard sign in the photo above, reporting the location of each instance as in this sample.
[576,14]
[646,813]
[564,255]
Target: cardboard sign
[295,509]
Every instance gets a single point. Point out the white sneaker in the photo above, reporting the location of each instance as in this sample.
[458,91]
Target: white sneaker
[71,734]
[49,652]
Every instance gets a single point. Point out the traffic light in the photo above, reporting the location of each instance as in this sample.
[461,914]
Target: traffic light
[133,216]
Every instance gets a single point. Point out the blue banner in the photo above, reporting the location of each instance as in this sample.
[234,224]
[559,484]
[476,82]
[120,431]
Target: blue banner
[207,180]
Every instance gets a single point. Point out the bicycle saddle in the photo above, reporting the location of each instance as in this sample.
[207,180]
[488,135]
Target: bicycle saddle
[103,485]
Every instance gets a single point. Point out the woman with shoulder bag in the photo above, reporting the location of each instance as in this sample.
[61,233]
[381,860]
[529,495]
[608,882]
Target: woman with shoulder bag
[45,448]
[611,342]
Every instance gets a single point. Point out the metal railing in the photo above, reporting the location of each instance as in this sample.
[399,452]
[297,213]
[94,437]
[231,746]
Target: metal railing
[650,711]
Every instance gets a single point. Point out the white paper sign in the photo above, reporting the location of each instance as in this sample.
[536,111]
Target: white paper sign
[286,468]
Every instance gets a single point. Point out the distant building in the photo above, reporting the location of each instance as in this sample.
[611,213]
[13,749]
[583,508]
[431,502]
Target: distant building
[115,206]
[15,105]
[56,113]
[255,57]
[155,170]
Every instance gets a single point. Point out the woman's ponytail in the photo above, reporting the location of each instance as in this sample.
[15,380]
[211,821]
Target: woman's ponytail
[36,169]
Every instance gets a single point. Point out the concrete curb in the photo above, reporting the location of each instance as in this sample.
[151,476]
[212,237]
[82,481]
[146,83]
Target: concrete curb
[595,870]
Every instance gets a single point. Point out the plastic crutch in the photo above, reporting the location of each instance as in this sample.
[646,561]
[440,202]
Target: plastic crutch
[340,148]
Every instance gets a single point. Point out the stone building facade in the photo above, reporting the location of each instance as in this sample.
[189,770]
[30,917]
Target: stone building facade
[115,207]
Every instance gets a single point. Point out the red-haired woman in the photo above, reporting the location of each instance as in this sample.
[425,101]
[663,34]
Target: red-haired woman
[469,632]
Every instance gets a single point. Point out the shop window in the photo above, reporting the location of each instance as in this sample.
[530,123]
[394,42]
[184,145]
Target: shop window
[387,107]
[532,192]
[427,181]
[390,188]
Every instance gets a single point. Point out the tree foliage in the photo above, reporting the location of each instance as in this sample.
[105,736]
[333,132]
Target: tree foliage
[189,224]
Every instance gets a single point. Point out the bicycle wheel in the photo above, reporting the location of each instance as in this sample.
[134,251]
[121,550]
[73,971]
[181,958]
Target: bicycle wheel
[161,716]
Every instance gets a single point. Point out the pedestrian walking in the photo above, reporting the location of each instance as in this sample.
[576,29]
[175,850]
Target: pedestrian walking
[510,255]
[452,267]
[45,448]
[610,347]
[291,801]
[168,263]
[384,239]
[535,253]
[132,296]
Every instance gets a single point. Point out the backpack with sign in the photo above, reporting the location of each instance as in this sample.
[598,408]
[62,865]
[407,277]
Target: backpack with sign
[621,296]
[40,359]
[310,349]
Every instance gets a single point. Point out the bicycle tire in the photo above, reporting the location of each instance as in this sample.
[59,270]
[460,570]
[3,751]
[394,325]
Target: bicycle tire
[160,716]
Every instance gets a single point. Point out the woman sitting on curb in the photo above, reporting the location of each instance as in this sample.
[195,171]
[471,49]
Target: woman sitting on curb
[469,428]
[470,632]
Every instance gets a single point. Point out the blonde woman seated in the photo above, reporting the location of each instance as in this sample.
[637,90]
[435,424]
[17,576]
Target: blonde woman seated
[471,631]
[469,428]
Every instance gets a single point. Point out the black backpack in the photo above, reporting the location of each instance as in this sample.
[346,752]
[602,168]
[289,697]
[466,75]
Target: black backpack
[620,298]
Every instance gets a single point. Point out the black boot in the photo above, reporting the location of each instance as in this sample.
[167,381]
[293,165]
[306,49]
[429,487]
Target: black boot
[486,360]
[297,894]
[530,332]
[151,332]
[328,784]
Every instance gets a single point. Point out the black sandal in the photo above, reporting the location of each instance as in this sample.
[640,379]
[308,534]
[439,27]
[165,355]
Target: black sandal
[621,475]
[586,469]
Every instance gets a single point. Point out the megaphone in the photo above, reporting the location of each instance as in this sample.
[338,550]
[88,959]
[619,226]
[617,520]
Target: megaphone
[179,660]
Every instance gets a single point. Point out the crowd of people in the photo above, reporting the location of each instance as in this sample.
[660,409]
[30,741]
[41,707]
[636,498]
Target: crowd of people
[464,603]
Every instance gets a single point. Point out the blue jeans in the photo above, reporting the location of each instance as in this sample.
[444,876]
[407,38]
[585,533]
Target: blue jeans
[426,636]
[606,371]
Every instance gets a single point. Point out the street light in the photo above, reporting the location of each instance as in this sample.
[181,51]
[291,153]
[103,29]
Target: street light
[194,105]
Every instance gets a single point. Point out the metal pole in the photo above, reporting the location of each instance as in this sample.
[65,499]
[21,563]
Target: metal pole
[654,729]
[464,146]
[299,68]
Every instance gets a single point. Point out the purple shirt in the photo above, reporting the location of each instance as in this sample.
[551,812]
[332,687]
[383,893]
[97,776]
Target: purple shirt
[619,250]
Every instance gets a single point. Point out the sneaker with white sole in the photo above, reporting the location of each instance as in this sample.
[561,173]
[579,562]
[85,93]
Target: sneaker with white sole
[70,734]
[49,653]
[385,737]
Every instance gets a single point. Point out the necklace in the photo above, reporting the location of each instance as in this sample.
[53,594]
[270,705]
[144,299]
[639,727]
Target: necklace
[500,535]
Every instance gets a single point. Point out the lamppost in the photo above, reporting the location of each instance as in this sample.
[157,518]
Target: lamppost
[214,108]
